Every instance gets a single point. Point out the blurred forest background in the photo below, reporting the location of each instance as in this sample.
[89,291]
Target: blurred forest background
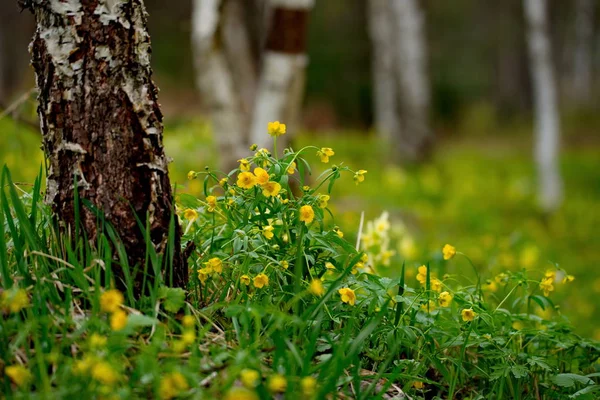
[475,185]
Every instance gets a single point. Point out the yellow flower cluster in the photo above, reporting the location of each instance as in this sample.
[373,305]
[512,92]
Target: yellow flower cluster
[14,300]
[276,128]
[111,302]
[247,180]
[325,153]
[448,251]
[172,385]
[212,266]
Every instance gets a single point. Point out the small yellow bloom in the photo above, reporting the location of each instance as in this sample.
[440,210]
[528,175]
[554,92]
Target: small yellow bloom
[245,279]
[188,337]
[316,287]
[468,314]
[292,168]
[111,300]
[249,378]
[261,280]
[267,232]
[547,286]
[118,320]
[323,200]
[277,383]
[97,341]
[436,285]
[307,214]
[329,266]
[244,165]
[204,274]
[191,175]
[271,189]
[188,321]
[262,176]
[445,299]
[429,306]
[348,296]
[422,275]
[490,286]
[223,182]
[308,385]
[239,393]
[276,128]
[246,180]
[14,300]
[190,214]
[359,176]
[215,264]
[211,201]
[171,385]
[18,374]
[338,232]
[502,278]
[418,385]
[449,251]
[568,279]
[103,372]
[284,264]
[325,153]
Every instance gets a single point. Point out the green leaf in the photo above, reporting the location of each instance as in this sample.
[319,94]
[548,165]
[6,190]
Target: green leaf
[568,380]
[174,298]
[519,371]
[140,320]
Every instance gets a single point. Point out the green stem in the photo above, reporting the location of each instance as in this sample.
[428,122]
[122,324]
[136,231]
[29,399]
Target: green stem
[460,361]
[298,267]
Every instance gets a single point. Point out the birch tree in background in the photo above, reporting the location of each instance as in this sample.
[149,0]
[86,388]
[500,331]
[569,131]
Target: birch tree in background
[415,137]
[547,124]
[583,57]
[244,90]
[387,122]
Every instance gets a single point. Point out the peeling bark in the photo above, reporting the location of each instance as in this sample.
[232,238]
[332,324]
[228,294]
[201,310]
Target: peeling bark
[102,125]
[547,124]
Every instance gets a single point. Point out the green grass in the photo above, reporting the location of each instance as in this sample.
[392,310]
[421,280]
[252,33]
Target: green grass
[396,336]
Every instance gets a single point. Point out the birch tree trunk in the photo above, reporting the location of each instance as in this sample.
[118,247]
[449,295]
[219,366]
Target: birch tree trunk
[102,125]
[281,84]
[547,124]
[415,138]
[584,41]
[387,121]
[225,73]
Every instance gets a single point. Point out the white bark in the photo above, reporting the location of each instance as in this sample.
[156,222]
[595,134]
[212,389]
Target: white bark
[281,85]
[584,40]
[411,68]
[385,98]
[215,81]
[547,124]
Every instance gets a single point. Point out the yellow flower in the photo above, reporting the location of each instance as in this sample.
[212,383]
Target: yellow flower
[284,264]
[490,286]
[291,168]
[191,175]
[203,274]
[276,128]
[244,165]
[223,182]
[359,176]
[550,275]
[245,279]
[97,341]
[215,264]
[239,393]
[329,266]
[468,314]
[118,320]
[277,383]
[348,296]
[568,279]
[188,321]
[211,201]
[111,300]
[171,385]
[325,153]
[418,385]
[436,285]
[338,232]
[104,372]
[190,214]
[502,278]
[18,374]
[14,300]
[449,251]
[261,280]
[308,385]
[316,287]
[422,275]
[246,180]
[323,200]
[249,378]
[188,337]
[271,189]
[445,299]
[82,366]
[547,286]
[262,176]
[428,306]
[267,232]
[307,214]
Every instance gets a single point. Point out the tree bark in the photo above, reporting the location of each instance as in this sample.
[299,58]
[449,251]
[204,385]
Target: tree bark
[102,125]
[415,138]
[385,96]
[547,130]
[582,60]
